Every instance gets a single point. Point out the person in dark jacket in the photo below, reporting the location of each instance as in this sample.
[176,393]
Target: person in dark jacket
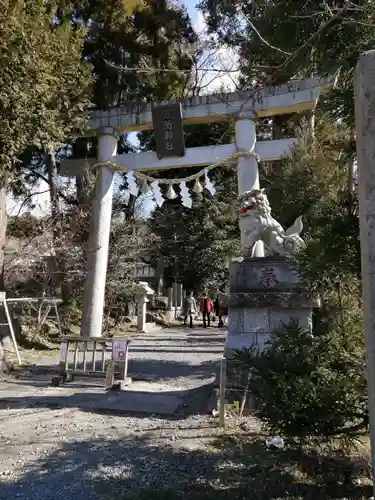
[219,311]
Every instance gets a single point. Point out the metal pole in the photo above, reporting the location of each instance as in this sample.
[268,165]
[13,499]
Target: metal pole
[58,317]
[175,280]
[223,375]
[9,319]
[176,299]
[365,136]
[126,358]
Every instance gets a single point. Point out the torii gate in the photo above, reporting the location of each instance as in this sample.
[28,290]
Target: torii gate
[244,107]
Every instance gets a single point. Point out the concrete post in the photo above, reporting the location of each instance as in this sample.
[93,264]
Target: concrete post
[175,295]
[365,136]
[142,310]
[180,295]
[97,254]
[247,166]
[170,299]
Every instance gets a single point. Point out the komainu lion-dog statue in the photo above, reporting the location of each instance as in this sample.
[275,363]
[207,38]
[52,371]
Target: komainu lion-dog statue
[257,224]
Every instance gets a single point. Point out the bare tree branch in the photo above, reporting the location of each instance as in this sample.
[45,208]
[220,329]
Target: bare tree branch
[264,40]
[43,178]
[28,197]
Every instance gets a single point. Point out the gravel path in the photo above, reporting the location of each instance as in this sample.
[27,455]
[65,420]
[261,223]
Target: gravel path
[53,454]
[180,356]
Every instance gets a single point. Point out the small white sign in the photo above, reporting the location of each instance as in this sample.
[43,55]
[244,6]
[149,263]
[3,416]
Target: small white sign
[63,351]
[119,350]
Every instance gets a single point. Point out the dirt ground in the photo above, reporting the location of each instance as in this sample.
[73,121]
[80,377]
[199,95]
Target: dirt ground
[56,452]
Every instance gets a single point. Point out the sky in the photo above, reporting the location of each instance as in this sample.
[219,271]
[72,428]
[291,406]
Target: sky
[190,4]
[191,7]
[210,81]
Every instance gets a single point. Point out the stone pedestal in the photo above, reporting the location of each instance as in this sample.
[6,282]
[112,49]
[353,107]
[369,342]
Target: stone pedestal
[142,309]
[264,293]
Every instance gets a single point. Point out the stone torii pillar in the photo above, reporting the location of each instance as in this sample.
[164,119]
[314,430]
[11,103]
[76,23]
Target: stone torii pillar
[247,166]
[365,136]
[97,252]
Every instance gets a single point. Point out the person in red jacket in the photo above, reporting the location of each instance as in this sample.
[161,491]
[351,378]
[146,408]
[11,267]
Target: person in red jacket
[206,307]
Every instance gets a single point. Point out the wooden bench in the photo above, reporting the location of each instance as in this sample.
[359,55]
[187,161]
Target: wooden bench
[93,357]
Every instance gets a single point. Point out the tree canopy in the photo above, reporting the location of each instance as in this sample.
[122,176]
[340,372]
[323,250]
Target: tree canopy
[44,82]
[283,39]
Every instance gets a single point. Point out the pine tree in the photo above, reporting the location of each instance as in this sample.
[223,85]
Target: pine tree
[129,54]
[283,39]
[44,90]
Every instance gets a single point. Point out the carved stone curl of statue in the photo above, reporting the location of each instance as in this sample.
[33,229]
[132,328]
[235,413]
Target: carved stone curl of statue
[257,224]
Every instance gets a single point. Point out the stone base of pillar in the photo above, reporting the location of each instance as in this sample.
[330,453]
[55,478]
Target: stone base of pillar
[264,293]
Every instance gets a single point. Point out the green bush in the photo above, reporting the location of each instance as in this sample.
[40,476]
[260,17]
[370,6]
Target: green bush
[311,387]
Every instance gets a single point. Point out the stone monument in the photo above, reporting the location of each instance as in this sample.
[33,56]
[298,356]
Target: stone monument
[142,300]
[265,289]
[365,135]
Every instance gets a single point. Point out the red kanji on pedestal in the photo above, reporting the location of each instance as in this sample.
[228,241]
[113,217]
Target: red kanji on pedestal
[268,277]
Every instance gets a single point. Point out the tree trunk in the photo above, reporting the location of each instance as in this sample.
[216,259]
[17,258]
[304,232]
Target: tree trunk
[83,190]
[5,340]
[277,127]
[80,190]
[310,121]
[160,275]
[83,181]
[52,176]
[130,208]
[56,264]
[351,176]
